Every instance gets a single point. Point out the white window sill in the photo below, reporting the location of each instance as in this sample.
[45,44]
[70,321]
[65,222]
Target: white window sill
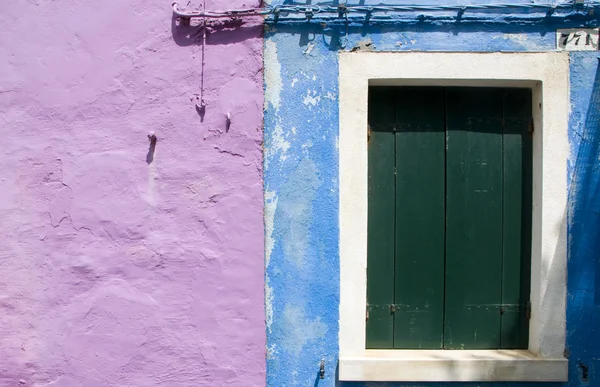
[452,366]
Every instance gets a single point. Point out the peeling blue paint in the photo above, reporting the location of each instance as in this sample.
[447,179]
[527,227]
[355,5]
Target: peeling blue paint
[301,178]
[301,184]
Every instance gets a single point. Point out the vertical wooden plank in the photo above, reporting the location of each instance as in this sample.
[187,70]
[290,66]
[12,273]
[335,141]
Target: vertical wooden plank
[420,218]
[473,218]
[516,271]
[380,243]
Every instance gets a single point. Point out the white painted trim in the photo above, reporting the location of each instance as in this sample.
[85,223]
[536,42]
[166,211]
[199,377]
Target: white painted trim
[548,76]
[457,366]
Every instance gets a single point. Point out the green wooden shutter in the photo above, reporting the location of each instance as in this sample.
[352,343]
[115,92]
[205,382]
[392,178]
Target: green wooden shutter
[473,218]
[516,271]
[420,169]
[380,229]
[449,224]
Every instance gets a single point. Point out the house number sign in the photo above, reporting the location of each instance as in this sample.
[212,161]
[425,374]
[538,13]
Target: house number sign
[577,39]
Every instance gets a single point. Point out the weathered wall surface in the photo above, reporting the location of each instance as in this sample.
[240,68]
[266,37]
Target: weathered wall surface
[583,300]
[301,183]
[120,266]
[301,211]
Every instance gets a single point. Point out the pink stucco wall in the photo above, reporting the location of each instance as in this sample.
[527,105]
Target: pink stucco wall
[118,270]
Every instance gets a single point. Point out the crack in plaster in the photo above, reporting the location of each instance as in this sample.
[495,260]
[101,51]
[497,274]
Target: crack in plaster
[228,152]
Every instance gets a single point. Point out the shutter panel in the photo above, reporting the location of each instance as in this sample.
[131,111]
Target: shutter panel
[473,218]
[420,169]
[381,198]
[516,271]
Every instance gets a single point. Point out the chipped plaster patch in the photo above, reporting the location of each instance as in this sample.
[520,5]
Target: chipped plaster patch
[278,145]
[271,352]
[330,96]
[309,48]
[270,207]
[520,39]
[273,82]
[364,45]
[313,99]
[306,147]
[268,303]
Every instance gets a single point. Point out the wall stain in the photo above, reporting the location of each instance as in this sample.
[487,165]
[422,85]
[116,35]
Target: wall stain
[294,211]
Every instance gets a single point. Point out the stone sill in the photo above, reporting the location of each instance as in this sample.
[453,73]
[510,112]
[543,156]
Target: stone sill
[452,366]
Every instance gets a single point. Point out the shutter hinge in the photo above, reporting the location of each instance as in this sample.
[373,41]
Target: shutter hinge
[531,127]
[367,314]
[528,310]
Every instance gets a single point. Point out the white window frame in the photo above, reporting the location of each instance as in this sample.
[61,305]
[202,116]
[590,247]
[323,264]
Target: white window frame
[547,74]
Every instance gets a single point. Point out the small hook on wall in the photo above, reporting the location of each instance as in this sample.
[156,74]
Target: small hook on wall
[150,155]
[322,370]
[200,106]
[227,121]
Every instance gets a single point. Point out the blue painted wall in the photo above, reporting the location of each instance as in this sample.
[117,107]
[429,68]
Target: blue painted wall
[301,179]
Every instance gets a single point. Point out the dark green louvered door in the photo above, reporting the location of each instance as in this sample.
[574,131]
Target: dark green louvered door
[449,218]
